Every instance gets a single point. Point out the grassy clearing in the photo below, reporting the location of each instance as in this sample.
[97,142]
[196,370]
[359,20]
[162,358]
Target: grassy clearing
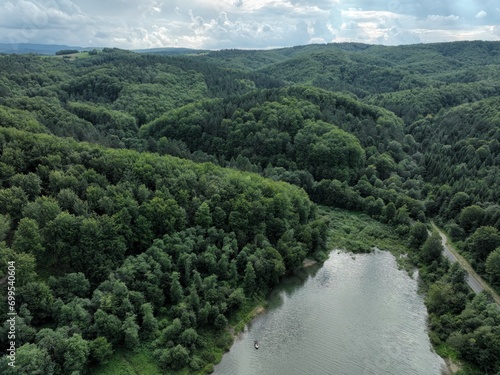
[249,311]
[74,56]
[130,363]
[359,233]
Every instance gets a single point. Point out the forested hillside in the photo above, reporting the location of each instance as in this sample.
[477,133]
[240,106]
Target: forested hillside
[147,200]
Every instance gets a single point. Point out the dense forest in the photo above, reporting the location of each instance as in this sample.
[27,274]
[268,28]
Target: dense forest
[147,200]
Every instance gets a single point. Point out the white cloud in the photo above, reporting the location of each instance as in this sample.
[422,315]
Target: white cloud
[481,14]
[243,23]
[396,36]
[435,17]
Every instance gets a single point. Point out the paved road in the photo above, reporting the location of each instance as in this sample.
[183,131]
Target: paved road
[475,282]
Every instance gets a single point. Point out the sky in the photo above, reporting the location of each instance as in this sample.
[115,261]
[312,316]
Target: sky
[245,24]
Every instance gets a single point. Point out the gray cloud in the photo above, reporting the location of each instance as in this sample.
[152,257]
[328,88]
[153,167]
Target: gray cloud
[244,23]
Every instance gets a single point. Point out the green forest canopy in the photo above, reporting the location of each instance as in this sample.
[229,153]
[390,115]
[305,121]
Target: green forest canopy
[132,204]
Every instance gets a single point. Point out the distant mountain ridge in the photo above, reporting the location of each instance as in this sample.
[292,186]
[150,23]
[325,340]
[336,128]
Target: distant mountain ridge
[39,49]
[51,49]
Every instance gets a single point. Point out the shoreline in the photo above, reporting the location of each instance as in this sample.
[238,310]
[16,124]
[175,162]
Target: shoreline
[308,262]
[451,367]
[260,308]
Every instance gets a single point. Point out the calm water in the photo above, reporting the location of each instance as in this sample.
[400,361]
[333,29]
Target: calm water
[354,315]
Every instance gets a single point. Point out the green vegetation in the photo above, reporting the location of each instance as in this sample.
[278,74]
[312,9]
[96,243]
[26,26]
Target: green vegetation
[67,52]
[151,201]
[359,233]
[132,260]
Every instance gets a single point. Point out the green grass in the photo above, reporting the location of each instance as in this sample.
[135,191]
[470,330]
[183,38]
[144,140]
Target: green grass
[446,351]
[130,363]
[73,56]
[246,314]
[358,232]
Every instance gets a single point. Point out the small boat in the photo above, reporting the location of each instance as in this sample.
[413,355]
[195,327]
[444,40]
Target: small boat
[256,344]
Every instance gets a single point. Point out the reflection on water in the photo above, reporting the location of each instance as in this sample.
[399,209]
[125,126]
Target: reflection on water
[351,316]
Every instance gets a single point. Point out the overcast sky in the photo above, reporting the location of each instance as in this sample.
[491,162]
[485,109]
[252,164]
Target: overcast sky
[219,24]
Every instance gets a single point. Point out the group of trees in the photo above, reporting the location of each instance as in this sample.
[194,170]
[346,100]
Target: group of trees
[342,152]
[141,249]
[459,320]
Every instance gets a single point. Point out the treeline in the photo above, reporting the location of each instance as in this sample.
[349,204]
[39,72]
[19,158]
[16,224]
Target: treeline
[66,52]
[140,249]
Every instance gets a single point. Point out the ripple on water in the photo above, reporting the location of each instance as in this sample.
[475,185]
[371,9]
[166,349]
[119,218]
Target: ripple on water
[352,316]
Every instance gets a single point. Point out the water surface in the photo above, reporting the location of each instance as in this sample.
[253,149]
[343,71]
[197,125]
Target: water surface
[354,315]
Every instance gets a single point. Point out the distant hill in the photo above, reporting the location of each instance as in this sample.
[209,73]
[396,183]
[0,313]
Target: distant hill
[51,49]
[39,49]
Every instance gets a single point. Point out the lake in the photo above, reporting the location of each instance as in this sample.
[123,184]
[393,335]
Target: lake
[353,315]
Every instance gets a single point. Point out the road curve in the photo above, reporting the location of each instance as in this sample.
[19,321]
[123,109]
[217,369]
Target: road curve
[475,282]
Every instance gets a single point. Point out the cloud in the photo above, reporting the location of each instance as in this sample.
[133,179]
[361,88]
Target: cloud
[397,36]
[481,14]
[220,24]
[435,17]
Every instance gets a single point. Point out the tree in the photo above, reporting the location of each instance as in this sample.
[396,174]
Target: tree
[189,337]
[442,297]
[471,218]
[431,249]
[176,292]
[236,299]
[66,52]
[328,152]
[203,217]
[107,325]
[4,227]
[389,212]
[25,264]
[24,332]
[100,249]
[402,217]
[249,279]
[12,201]
[30,360]
[179,356]
[130,331]
[69,201]
[43,210]
[376,208]
[100,350]
[482,242]
[418,235]
[149,323]
[69,286]
[27,238]
[39,300]
[30,183]
[493,266]
[220,322]
[55,343]
[457,203]
[75,355]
